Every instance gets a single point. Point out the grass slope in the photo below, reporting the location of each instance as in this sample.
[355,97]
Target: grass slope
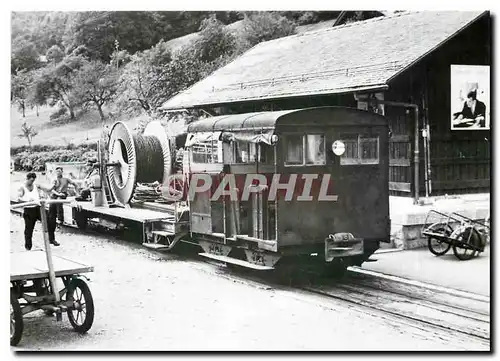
[86,129]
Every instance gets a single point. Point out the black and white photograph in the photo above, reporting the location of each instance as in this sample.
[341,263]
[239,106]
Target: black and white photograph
[250,180]
[470,90]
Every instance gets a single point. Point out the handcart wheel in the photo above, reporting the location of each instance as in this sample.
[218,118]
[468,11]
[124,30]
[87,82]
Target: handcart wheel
[81,315]
[436,246]
[466,236]
[16,321]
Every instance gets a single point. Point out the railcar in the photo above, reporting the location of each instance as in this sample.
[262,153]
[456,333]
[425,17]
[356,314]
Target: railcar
[295,183]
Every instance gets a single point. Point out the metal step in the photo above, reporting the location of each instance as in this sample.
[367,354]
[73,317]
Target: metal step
[235,261]
[156,246]
[340,249]
[163,233]
[169,220]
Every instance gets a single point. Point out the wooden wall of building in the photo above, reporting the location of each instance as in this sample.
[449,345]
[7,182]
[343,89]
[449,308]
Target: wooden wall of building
[460,160]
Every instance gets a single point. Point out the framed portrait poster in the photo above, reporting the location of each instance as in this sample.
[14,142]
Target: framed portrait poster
[470,97]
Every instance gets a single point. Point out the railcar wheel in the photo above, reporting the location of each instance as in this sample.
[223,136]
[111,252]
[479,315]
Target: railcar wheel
[81,315]
[470,236]
[336,269]
[16,321]
[437,247]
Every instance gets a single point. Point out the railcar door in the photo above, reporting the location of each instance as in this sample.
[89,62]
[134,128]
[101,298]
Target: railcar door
[359,171]
[205,157]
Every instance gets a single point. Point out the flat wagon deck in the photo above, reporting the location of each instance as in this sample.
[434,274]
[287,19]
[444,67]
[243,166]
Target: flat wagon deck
[30,265]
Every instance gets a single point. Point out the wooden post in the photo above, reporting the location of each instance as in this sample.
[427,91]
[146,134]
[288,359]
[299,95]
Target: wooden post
[48,251]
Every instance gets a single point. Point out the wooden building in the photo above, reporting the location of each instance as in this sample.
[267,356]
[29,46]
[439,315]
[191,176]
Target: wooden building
[416,68]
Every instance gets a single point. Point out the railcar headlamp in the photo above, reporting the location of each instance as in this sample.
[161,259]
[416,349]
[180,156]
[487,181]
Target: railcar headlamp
[338,147]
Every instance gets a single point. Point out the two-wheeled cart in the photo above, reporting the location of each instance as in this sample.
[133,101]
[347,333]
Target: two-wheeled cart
[33,278]
[466,236]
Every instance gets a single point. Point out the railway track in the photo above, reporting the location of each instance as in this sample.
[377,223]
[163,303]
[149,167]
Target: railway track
[450,314]
[458,318]
[454,316]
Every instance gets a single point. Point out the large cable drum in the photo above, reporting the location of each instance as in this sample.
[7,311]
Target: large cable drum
[133,159]
[155,128]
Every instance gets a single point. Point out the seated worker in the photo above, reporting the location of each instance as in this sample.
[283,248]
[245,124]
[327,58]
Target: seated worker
[59,190]
[472,114]
[90,180]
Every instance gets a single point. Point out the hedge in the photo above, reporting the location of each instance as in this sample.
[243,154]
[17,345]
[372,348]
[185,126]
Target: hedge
[47,148]
[35,161]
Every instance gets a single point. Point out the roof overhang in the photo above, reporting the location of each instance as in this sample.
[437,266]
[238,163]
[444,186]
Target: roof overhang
[362,89]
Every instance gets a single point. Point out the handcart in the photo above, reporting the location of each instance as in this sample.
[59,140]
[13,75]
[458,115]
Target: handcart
[33,278]
[466,236]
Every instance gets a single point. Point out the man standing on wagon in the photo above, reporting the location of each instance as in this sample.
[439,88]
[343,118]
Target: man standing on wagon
[59,190]
[28,192]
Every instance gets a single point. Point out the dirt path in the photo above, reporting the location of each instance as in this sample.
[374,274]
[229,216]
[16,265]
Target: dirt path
[145,301]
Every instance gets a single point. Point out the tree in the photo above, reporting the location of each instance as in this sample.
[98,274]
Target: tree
[28,132]
[98,31]
[265,26]
[20,87]
[119,57]
[55,83]
[214,41]
[55,54]
[24,55]
[141,78]
[153,76]
[33,33]
[96,83]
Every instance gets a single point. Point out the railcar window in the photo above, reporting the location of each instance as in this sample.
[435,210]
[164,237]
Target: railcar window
[315,149]
[360,149]
[205,152]
[306,149]
[369,150]
[244,152]
[294,150]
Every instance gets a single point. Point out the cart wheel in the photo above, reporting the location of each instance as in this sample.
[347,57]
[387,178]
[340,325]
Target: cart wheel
[467,235]
[437,247]
[16,321]
[81,315]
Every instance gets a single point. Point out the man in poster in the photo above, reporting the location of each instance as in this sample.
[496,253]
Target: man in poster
[472,114]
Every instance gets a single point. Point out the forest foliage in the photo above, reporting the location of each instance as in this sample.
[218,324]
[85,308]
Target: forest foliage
[121,62]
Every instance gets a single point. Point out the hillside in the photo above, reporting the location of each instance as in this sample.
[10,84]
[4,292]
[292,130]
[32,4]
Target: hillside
[79,67]
[88,128]
[237,30]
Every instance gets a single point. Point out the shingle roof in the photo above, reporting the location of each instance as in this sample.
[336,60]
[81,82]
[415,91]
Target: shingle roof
[361,55]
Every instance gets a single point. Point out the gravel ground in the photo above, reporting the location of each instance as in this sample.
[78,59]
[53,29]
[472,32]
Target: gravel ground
[149,301]
[446,271]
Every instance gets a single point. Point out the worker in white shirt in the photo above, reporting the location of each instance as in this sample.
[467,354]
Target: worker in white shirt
[28,192]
